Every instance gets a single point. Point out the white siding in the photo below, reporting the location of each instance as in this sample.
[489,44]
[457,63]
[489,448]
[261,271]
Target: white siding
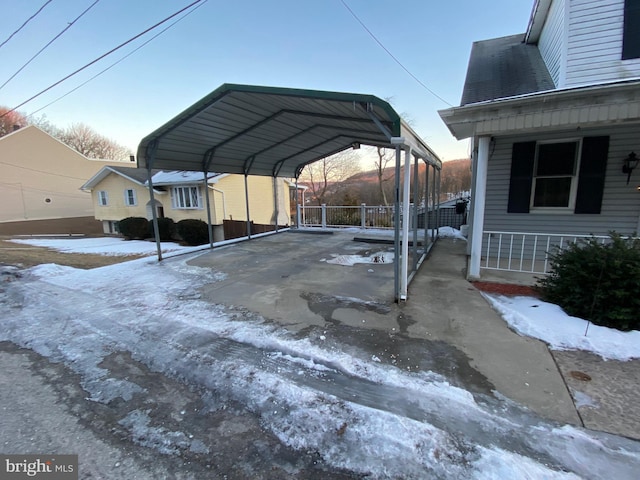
[620,204]
[552,40]
[594,48]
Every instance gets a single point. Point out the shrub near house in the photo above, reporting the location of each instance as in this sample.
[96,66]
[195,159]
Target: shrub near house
[597,282]
[134,228]
[193,232]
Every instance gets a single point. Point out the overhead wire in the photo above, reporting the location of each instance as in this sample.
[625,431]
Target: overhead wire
[117,62]
[42,171]
[391,54]
[69,25]
[101,57]
[25,23]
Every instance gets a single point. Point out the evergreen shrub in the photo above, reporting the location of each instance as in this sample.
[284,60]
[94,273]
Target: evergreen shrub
[597,282]
[193,232]
[166,229]
[134,228]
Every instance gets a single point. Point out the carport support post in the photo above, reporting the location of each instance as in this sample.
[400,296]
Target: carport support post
[396,227]
[405,223]
[154,214]
[246,199]
[427,240]
[297,206]
[416,184]
[436,222]
[275,199]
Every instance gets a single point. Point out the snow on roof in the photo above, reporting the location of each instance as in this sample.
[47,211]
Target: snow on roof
[176,176]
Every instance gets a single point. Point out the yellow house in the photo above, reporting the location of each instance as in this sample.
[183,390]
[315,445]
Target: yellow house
[119,192]
[39,185]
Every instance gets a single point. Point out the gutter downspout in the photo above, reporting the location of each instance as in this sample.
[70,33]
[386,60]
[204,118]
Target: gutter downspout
[208,200]
[224,203]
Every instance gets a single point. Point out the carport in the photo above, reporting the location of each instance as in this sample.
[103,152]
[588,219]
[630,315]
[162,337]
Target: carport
[275,132]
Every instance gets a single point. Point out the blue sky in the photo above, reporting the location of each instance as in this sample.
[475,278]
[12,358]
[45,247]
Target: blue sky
[315,44]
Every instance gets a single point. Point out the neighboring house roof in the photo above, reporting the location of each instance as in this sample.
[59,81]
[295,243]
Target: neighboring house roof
[136,175]
[140,176]
[504,67]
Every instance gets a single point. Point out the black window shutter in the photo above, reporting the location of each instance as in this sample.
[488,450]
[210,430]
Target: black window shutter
[522,157]
[631,30]
[593,165]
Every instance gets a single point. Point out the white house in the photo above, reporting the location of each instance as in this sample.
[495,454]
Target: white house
[554,117]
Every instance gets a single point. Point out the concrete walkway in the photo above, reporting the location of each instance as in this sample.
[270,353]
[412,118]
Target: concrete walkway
[447,307]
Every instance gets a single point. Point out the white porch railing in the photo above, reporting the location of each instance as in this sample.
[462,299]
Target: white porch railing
[525,252]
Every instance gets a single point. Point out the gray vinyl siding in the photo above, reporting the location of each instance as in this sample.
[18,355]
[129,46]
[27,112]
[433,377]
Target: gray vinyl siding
[552,40]
[620,204]
[594,48]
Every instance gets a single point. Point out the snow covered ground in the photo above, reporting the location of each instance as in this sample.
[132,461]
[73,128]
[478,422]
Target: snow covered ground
[425,428]
[111,246]
[547,322]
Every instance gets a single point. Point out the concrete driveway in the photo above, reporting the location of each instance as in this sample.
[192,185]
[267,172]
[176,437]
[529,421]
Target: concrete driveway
[446,326]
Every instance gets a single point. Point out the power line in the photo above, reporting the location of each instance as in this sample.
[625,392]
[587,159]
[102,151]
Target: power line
[101,57]
[52,40]
[391,54]
[44,172]
[116,62]
[25,23]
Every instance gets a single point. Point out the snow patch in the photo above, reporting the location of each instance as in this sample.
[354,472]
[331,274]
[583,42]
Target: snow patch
[549,323]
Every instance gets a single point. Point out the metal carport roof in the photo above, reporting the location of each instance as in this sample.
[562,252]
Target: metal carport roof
[271,131]
[255,130]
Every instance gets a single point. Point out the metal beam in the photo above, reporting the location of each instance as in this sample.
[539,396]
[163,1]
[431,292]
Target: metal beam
[376,120]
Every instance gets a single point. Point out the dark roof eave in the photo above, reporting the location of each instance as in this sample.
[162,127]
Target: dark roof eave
[481,111]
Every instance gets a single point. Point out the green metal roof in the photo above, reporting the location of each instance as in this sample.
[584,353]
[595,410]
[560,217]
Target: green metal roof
[248,129]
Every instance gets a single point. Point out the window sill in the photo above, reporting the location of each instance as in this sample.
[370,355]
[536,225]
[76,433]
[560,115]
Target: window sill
[551,210]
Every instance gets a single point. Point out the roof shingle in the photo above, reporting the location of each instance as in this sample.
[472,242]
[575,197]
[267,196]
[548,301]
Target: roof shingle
[504,67]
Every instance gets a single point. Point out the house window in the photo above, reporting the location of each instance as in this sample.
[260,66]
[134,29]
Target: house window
[558,176]
[555,175]
[630,30]
[130,197]
[186,197]
[103,199]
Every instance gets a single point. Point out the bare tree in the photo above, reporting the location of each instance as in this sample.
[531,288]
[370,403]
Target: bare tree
[326,176]
[91,144]
[10,121]
[43,123]
[384,157]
